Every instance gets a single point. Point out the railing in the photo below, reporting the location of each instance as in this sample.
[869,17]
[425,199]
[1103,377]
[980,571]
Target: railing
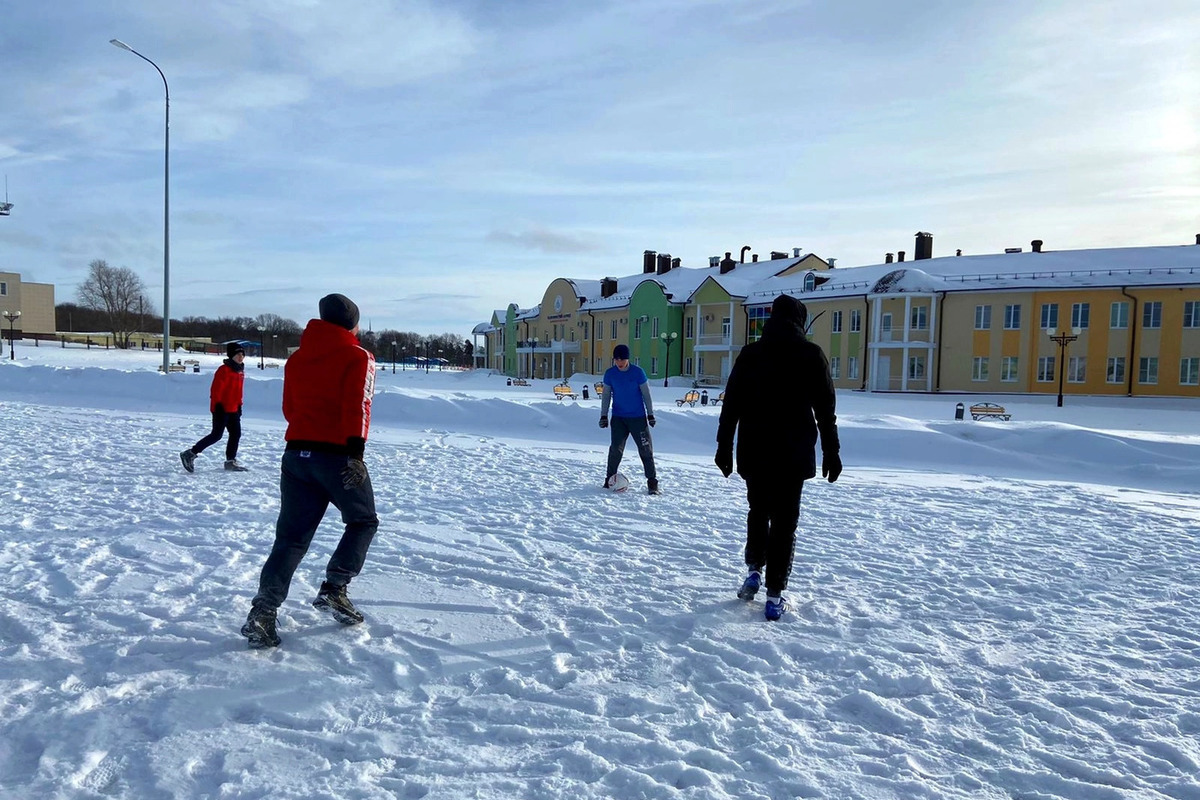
[718,340]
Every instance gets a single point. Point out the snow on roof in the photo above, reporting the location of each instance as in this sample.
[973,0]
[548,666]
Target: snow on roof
[680,283]
[1122,266]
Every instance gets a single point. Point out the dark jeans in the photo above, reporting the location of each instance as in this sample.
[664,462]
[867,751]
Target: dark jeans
[309,482]
[621,428]
[222,422]
[771,526]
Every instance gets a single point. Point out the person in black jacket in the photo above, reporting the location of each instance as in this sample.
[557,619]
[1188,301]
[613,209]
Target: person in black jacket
[779,395]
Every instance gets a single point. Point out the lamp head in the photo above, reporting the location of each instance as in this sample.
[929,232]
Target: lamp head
[120,44]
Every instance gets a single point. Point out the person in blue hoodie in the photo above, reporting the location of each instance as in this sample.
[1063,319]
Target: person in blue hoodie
[628,391]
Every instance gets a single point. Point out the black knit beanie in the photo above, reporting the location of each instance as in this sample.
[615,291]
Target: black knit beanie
[340,310]
[233,348]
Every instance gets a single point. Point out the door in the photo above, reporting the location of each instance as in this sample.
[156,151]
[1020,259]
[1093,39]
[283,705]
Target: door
[883,364]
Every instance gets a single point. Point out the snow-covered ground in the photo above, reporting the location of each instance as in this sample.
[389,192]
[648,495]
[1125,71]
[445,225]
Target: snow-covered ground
[984,610]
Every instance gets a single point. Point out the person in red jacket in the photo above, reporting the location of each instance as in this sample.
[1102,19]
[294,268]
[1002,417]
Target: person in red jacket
[327,388]
[225,403]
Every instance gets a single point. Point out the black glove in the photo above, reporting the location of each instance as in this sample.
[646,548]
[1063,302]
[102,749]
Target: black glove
[354,474]
[650,419]
[831,466]
[604,422]
[724,461]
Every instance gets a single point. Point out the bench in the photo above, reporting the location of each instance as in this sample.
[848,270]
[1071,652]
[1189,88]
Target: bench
[173,368]
[599,387]
[720,399]
[563,390]
[988,410]
[519,382]
[691,398]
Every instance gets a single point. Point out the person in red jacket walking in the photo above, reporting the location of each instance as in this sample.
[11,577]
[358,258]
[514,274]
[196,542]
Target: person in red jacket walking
[327,388]
[225,403]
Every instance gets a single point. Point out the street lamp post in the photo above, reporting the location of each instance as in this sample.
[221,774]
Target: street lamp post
[261,346]
[441,366]
[533,359]
[427,358]
[166,206]
[12,317]
[668,338]
[393,357]
[274,345]
[1062,340]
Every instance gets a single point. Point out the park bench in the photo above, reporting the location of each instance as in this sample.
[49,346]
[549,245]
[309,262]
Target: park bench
[519,382]
[691,398]
[720,399]
[599,387]
[564,390]
[988,411]
[173,368]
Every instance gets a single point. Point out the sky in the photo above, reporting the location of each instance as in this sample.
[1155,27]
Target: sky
[437,161]
[981,610]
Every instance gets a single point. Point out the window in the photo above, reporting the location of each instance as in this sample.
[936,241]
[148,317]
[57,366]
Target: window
[756,318]
[599,366]
[1148,370]
[1012,318]
[885,328]
[979,367]
[1191,314]
[1008,369]
[1079,315]
[614,330]
[1152,315]
[1189,371]
[852,370]
[919,318]
[1118,316]
[690,328]
[835,367]
[837,322]
[654,328]
[810,282]
[600,330]
[726,328]
[855,321]
[3,288]
[586,328]
[916,367]
[1116,369]
[637,328]
[983,318]
[653,366]
[1045,373]
[1076,369]
[1049,316]
[699,366]
[687,370]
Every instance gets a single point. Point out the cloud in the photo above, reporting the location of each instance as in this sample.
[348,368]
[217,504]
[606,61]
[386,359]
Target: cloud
[542,240]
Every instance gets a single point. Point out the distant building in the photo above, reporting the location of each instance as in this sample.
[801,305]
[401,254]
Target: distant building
[35,301]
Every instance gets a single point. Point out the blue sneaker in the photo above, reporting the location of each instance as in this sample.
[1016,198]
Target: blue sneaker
[750,586]
[776,607]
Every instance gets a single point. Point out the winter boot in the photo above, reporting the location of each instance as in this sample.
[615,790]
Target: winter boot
[776,607]
[189,460]
[750,586]
[652,486]
[334,600]
[259,629]
[232,465]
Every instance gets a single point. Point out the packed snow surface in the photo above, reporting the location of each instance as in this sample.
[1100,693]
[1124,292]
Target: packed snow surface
[983,609]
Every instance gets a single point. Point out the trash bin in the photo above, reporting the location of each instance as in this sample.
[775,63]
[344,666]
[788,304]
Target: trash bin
[958,411]
[585,394]
[704,397]
[510,381]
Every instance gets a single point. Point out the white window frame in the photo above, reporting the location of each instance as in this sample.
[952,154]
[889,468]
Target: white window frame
[1189,371]
[654,328]
[637,328]
[1118,316]
[1152,315]
[852,368]
[1115,371]
[1081,314]
[918,318]
[690,328]
[979,367]
[688,367]
[1049,316]
[836,322]
[855,320]
[1010,369]
[983,318]
[1012,317]
[916,367]
[1148,370]
[1077,369]
[1045,373]
[1191,314]
[654,365]
[835,367]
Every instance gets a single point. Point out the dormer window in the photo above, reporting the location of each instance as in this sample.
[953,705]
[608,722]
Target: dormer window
[810,282]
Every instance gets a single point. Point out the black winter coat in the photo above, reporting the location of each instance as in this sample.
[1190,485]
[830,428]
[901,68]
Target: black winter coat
[778,396]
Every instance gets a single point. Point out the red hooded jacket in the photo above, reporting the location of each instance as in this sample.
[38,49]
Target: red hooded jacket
[327,388]
[226,389]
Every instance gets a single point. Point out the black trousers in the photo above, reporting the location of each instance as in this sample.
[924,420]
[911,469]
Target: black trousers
[222,422]
[308,483]
[622,428]
[771,526]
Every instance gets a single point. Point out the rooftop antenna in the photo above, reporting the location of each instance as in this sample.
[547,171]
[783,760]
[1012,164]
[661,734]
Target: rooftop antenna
[6,206]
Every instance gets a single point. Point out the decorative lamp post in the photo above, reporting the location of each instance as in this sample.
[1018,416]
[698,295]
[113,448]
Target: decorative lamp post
[274,345]
[393,356]
[668,338]
[1062,340]
[261,346]
[427,358]
[12,317]
[166,207]
[533,359]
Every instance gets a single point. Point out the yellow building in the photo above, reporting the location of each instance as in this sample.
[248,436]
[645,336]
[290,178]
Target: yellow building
[34,301]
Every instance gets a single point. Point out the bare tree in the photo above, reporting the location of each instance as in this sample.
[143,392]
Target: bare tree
[119,294]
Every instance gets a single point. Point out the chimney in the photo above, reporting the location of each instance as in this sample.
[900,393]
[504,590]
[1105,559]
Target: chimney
[900,256]
[664,263]
[958,252]
[675,262]
[1036,244]
[795,252]
[1198,238]
[714,261]
[832,262]
[608,286]
[727,264]
[776,255]
[744,249]
[647,261]
[889,258]
[924,247]
[754,257]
